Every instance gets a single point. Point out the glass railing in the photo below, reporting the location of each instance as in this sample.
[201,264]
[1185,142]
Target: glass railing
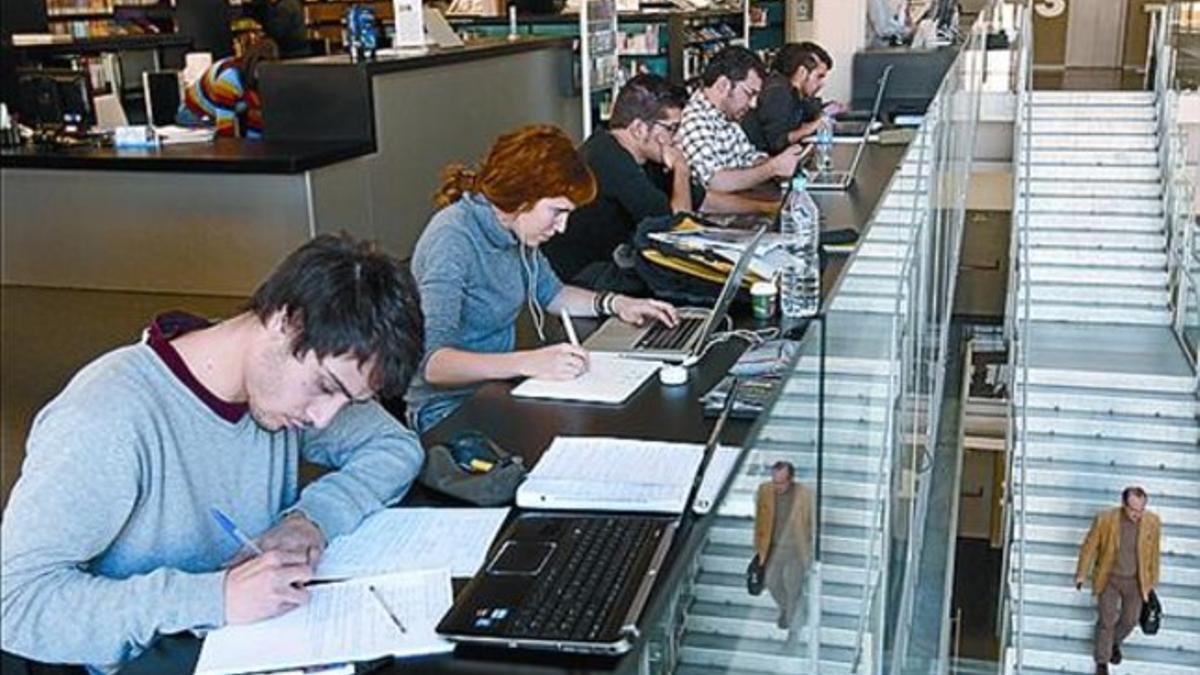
[856,417]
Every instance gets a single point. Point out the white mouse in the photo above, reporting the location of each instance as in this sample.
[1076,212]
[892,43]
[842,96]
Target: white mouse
[673,375]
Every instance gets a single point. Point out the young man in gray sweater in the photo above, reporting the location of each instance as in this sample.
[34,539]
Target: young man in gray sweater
[108,538]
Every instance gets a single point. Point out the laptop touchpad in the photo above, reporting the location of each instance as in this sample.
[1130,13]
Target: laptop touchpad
[522,557]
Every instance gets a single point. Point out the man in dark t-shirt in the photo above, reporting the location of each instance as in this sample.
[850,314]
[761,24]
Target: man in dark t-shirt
[595,251]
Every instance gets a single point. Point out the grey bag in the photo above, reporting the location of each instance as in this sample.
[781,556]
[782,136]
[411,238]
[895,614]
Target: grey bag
[447,471]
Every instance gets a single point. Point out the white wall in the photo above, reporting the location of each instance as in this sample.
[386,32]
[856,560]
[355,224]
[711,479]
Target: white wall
[840,26]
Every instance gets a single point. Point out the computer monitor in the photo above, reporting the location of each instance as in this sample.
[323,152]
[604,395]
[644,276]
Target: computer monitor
[55,98]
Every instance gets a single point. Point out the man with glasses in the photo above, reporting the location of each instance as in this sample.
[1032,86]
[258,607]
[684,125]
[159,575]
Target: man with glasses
[109,535]
[721,156]
[1121,553]
[595,250]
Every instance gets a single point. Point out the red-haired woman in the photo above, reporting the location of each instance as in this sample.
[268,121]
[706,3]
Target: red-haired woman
[478,264]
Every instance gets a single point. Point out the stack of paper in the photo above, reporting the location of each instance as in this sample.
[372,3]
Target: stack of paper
[612,474]
[172,133]
[359,620]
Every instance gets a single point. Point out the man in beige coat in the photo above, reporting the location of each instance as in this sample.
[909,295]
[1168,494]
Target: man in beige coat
[1121,552]
[783,527]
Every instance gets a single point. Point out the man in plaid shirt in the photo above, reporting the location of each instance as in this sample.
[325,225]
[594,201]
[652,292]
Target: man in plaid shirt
[720,155]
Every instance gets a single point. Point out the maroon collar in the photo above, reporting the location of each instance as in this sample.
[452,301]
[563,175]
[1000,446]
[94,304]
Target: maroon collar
[167,327]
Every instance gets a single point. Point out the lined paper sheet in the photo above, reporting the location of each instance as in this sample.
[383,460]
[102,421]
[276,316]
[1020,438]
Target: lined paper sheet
[342,622]
[719,467]
[414,538]
[610,379]
[612,474]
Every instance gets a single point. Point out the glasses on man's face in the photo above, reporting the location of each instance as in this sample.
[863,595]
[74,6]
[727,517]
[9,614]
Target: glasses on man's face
[669,127]
[749,93]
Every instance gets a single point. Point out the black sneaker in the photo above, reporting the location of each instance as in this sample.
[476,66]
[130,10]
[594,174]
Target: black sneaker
[1116,655]
[782,622]
[1101,669]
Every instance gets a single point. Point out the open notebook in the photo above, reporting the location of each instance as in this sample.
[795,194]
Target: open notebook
[610,379]
[612,474]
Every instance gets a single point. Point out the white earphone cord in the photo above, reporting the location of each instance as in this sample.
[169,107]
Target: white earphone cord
[535,308]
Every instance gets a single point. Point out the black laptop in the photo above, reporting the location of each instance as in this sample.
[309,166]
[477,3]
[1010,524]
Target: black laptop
[569,581]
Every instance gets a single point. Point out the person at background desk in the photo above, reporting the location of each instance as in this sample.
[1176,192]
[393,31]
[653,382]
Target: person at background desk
[226,95]
[108,537]
[716,147]
[283,22]
[478,264]
[789,108]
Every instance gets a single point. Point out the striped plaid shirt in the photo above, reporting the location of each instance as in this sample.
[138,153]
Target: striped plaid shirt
[712,142]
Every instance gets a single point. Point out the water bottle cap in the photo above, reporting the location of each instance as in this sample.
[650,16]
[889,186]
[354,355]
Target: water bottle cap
[800,181]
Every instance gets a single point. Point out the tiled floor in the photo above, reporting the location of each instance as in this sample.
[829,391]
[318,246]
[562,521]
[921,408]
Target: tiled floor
[47,334]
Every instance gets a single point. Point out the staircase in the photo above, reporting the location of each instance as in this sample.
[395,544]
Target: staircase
[1097,244]
[1111,398]
[728,631]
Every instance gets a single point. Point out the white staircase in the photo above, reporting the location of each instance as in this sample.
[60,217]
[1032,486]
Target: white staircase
[728,631]
[1097,242]
[1111,399]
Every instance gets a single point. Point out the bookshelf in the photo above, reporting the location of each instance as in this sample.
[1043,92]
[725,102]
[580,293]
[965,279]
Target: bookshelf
[694,37]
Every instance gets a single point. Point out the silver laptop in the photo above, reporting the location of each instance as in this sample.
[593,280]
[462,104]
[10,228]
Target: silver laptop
[688,337]
[842,180]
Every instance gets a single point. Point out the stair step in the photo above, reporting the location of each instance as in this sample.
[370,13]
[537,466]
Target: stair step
[1132,295]
[1080,140]
[1116,314]
[1112,401]
[1050,154]
[849,302]
[1074,112]
[834,538]
[1090,126]
[1138,382]
[758,655]
[1044,187]
[1089,99]
[1113,205]
[1078,172]
[1066,255]
[1101,427]
[1093,239]
[1138,454]
[760,625]
[1054,658]
[1090,222]
[1132,276]
[1180,487]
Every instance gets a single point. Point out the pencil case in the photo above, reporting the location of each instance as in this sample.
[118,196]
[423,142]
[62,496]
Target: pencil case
[473,468]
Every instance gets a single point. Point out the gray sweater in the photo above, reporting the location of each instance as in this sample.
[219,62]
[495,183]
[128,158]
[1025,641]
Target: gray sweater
[107,538]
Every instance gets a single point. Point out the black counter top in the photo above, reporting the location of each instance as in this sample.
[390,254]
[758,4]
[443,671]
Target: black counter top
[225,155]
[391,61]
[644,16]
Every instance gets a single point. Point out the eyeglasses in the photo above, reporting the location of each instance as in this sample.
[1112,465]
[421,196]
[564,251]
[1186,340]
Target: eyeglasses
[671,127]
[750,94]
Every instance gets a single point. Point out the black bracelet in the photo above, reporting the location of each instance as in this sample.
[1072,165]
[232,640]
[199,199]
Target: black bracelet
[598,303]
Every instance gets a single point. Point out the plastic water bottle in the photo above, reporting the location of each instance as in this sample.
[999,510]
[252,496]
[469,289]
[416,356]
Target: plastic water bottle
[824,144]
[799,224]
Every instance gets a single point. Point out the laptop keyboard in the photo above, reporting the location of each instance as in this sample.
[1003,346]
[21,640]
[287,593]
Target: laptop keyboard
[659,336]
[572,599]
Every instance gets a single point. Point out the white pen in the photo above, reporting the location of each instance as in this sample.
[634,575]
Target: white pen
[569,327]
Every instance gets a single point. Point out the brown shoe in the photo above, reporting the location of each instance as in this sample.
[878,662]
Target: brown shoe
[1116,655]
[1101,669]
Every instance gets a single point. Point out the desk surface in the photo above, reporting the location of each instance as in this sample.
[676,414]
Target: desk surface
[224,155]
[526,427]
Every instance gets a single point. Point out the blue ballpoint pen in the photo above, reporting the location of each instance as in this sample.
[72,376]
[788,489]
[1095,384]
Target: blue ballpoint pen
[227,524]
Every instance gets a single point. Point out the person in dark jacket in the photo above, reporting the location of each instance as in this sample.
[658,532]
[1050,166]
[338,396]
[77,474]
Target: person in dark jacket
[789,108]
